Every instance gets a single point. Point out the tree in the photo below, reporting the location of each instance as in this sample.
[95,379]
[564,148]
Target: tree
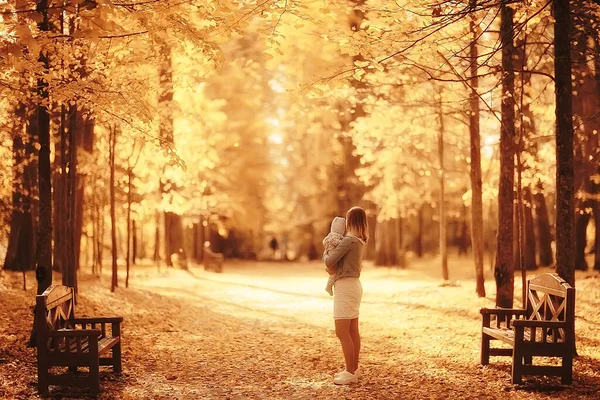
[565,210]
[475,164]
[503,270]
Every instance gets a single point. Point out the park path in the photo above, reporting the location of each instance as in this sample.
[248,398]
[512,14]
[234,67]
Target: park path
[264,331]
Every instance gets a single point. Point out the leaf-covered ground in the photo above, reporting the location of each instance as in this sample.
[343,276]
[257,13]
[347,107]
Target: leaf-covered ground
[264,331]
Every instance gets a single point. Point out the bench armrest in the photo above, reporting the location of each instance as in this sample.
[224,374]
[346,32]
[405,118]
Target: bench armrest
[74,332]
[98,320]
[528,323]
[502,311]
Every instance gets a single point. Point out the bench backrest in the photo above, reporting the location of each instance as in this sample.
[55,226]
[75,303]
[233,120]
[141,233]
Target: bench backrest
[53,310]
[550,298]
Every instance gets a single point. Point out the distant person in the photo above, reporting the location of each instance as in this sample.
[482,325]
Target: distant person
[274,247]
[345,261]
[331,241]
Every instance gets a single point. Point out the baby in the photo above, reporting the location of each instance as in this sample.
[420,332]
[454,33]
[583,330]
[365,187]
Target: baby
[333,238]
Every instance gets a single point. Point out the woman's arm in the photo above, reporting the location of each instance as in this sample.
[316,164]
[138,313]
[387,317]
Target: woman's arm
[334,255]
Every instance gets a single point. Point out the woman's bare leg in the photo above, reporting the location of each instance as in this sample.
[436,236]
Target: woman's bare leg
[342,330]
[355,336]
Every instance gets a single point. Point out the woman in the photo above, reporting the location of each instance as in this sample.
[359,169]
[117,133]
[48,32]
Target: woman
[345,261]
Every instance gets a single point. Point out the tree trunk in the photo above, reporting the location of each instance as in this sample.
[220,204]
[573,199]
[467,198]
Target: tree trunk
[43,255]
[59,195]
[372,222]
[582,218]
[156,256]
[69,277]
[399,229]
[174,237]
[44,245]
[20,252]
[475,146]
[503,271]
[112,143]
[134,241]
[381,257]
[565,210]
[85,141]
[596,184]
[419,236]
[596,213]
[128,233]
[442,206]
[529,258]
[543,227]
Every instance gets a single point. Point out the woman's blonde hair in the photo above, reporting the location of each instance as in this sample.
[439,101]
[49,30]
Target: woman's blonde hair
[356,221]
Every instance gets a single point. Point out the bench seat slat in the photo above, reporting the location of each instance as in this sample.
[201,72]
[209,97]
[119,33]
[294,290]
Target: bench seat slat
[104,345]
[505,334]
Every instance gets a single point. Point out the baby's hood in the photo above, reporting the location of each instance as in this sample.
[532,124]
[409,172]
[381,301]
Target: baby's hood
[338,225]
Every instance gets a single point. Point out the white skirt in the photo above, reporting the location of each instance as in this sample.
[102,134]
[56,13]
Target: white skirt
[347,293]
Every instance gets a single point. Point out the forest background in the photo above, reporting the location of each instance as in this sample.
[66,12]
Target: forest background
[146,130]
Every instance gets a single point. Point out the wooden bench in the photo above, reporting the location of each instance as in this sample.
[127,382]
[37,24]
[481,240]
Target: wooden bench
[545,328]
[65,341]
[212,260]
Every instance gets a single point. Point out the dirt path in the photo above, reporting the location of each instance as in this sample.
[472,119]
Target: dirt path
[264,331]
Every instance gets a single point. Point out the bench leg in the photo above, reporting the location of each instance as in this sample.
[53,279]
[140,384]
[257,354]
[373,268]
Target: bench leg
[116,350]
[73,369]
[528,360]
[485,349]
[42,378]
[94,366]
[567,366]
[116,358]
[517,363]
[94,375]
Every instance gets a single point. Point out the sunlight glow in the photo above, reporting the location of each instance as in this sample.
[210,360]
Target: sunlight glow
[276,138]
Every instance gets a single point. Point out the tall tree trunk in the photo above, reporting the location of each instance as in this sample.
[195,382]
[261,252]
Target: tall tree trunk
[85,142]
[392,241]
[129,233]
[174,236]
[156,256]
[20,252]
[565,210]
[43,256]
[442,206]
[597,184]
[503,271]
[69,277]
[529,258]
[596,214]
[419,236]
[44,245]
[475,146]
[372,222]
[526,258]
[543,227]
[112,143]
[134,241]
[582,218]
[59,195]
[381,254]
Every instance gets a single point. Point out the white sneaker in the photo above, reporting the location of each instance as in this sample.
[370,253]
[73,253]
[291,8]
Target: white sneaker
[345,378]
[357,373]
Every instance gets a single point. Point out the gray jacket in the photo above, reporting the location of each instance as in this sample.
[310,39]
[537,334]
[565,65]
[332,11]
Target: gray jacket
[346,257]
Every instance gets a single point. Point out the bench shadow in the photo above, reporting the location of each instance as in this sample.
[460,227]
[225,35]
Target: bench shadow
[585,384]
[112,384]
